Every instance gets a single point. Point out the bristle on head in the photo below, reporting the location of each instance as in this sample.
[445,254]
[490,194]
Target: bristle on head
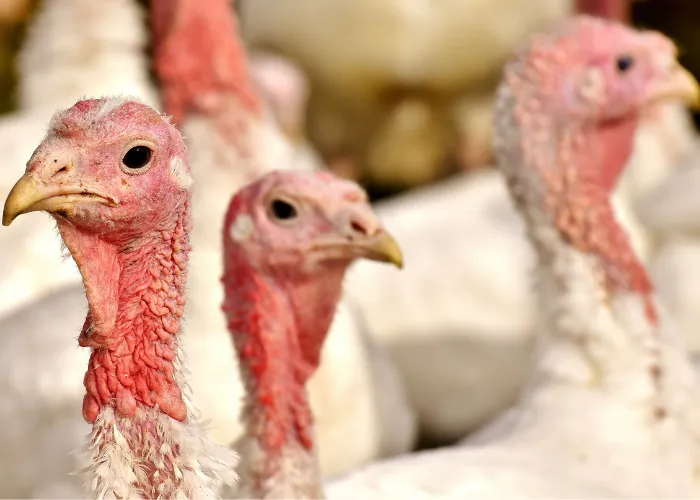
[198,53]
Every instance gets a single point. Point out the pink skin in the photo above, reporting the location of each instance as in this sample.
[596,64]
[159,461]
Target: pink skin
[568,91]
[199,58]
[283,280]
[131,247]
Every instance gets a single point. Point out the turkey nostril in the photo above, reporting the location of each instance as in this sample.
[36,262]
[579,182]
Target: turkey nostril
[359,228]
[63,170]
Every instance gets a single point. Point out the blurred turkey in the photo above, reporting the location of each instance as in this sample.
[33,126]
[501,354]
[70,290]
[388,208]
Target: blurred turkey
[73,48]
[458,321]
[671,212]
[402,89]
[667,203]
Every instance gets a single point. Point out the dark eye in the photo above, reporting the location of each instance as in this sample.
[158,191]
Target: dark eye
[624,63]
[137,157]
[283,210]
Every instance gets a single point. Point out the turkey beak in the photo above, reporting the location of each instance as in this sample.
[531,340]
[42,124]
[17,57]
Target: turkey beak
[381,247]
[677,82]
[31,194]
[25,195]
[360,234]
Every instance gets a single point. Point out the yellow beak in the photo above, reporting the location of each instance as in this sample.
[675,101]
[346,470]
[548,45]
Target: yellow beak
[31,195]
[382,247]
[680,84]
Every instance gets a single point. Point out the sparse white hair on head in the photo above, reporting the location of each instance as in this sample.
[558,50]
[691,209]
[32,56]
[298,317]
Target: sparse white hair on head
[179,173]
[241,228]
[108,105]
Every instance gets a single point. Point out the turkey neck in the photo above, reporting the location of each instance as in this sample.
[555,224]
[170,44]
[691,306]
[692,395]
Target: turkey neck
[199,57]
[597,307]
[278,330]
[135,288]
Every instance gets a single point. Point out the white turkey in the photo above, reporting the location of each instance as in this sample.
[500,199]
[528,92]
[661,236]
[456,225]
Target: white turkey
[611,401]
[461,331]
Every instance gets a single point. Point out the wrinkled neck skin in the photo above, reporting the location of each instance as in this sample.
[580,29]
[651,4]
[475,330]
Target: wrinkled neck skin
[278,337]
[145,442]
[599,324]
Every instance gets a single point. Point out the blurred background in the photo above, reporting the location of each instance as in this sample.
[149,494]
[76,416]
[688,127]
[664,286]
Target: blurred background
[372,110]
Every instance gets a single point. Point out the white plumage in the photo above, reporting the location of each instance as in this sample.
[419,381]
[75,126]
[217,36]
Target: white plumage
[459,320]
[671,213]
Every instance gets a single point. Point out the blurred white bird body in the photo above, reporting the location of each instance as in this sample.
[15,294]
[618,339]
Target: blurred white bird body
[386,76]
[671,213]
[367,44]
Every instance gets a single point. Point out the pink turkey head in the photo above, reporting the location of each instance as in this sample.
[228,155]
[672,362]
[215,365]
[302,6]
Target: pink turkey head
[108,166]
[289,237]
[565,120]
[291,222]
[587,74]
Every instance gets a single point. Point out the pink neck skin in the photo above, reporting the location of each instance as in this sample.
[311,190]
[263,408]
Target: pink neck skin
[583,212]
[199,57]
[135,291]
[578,189]
[279,324]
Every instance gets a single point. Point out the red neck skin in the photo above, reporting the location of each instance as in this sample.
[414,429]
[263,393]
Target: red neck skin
[199,57]
[583,212]
[577,190]
[135,291]
[279,324]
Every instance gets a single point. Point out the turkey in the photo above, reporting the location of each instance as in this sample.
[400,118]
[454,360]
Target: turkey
[231,140]
[115,176]
[288,240]
[445,325]
[611,402]
[56,69]
[386,99]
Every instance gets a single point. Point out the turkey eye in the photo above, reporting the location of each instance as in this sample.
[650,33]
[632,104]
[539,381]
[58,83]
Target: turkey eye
[137,157]
[624,63]
[283,210]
